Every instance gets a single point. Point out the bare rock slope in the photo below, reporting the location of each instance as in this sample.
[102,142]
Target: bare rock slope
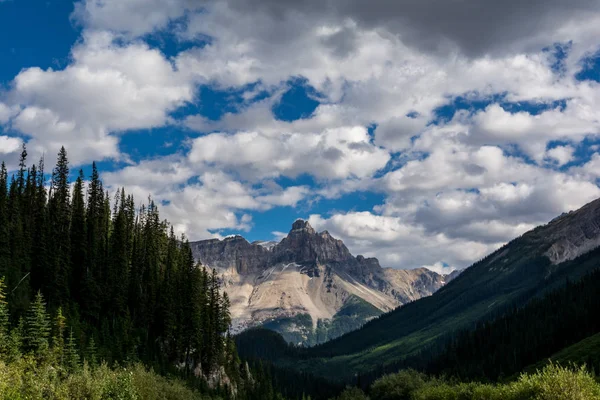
[308,274]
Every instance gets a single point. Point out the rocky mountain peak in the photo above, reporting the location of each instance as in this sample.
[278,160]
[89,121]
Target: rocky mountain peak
[301,225]
[304,245]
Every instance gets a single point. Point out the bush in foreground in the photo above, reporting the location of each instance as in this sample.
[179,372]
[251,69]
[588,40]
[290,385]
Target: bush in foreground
[553,382]
[26,378]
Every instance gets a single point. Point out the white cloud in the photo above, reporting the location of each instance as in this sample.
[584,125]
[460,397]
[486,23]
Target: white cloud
[561,154]
[533,132]
[6,113]
[132,17]
[108,88]
[9,145]
[440,268]
[332,154]
[452,194]
[198,199]
[397,243]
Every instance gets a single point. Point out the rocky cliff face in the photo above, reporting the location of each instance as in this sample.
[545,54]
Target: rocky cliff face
[574,233]
[233,253]
[308,273]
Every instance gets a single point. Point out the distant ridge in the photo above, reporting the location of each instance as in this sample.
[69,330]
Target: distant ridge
[308,286]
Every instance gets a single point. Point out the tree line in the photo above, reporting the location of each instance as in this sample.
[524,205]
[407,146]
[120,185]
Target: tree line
[115,271]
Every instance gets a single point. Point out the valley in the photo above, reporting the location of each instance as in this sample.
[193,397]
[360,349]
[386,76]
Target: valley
[537,263]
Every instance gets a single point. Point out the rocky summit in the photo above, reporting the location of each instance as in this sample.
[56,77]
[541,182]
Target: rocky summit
[308,287]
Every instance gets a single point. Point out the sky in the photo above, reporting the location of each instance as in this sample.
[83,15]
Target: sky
[422,132]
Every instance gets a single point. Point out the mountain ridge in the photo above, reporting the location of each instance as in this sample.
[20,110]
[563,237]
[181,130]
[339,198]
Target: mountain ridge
[307,273]
[543,259]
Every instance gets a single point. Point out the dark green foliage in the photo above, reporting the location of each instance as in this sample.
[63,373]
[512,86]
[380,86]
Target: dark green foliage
[398,386]
[37,326]
[4,222]
[56,283]
[523,336]
[91,354]
[58,339]
[352,393]
[78,240]
[553,382]
[585,352]
[128,287]
[71,358]
[4,319]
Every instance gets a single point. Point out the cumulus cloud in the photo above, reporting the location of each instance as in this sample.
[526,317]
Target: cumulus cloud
[453,190]
[108,88]
[561,155]
[198,199]
[9,144]
[331,154]
[472,27]
[397,243]
[132,17]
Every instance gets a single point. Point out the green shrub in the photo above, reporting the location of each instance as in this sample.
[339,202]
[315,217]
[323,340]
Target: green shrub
[26,378]
[398,386]
[551,383]
[555,382]
[352,393]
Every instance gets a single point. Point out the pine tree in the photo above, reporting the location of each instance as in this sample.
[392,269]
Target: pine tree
[4,222]
[15,344]
[91,303]
[58,340]
[40,262]
[125,280]
[60,214]
[71,354]
[22,169]
[78,240]
[37,327]
[4,320]
[16,274]
[117,276]
[92,353]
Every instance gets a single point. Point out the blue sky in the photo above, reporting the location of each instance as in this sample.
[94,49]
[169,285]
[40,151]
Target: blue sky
[418,142]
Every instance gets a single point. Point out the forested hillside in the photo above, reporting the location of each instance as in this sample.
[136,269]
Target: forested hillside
[528,267]
[119,285]
[559,325]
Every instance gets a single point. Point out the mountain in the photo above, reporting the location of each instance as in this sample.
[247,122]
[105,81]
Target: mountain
[541,260]
[308,286]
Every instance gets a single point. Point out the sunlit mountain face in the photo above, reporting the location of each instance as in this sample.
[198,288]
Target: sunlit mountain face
[426,133]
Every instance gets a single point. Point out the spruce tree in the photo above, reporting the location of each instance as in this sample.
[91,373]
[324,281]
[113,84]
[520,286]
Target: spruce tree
[37,326]
[15,344]
[71,354]
[91,303]
[22,169]
[127,283]
[4,222]
[16,274]
[40,262]
[60,214]
[4,320]
[91,355]
[78,240]
[58,340]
